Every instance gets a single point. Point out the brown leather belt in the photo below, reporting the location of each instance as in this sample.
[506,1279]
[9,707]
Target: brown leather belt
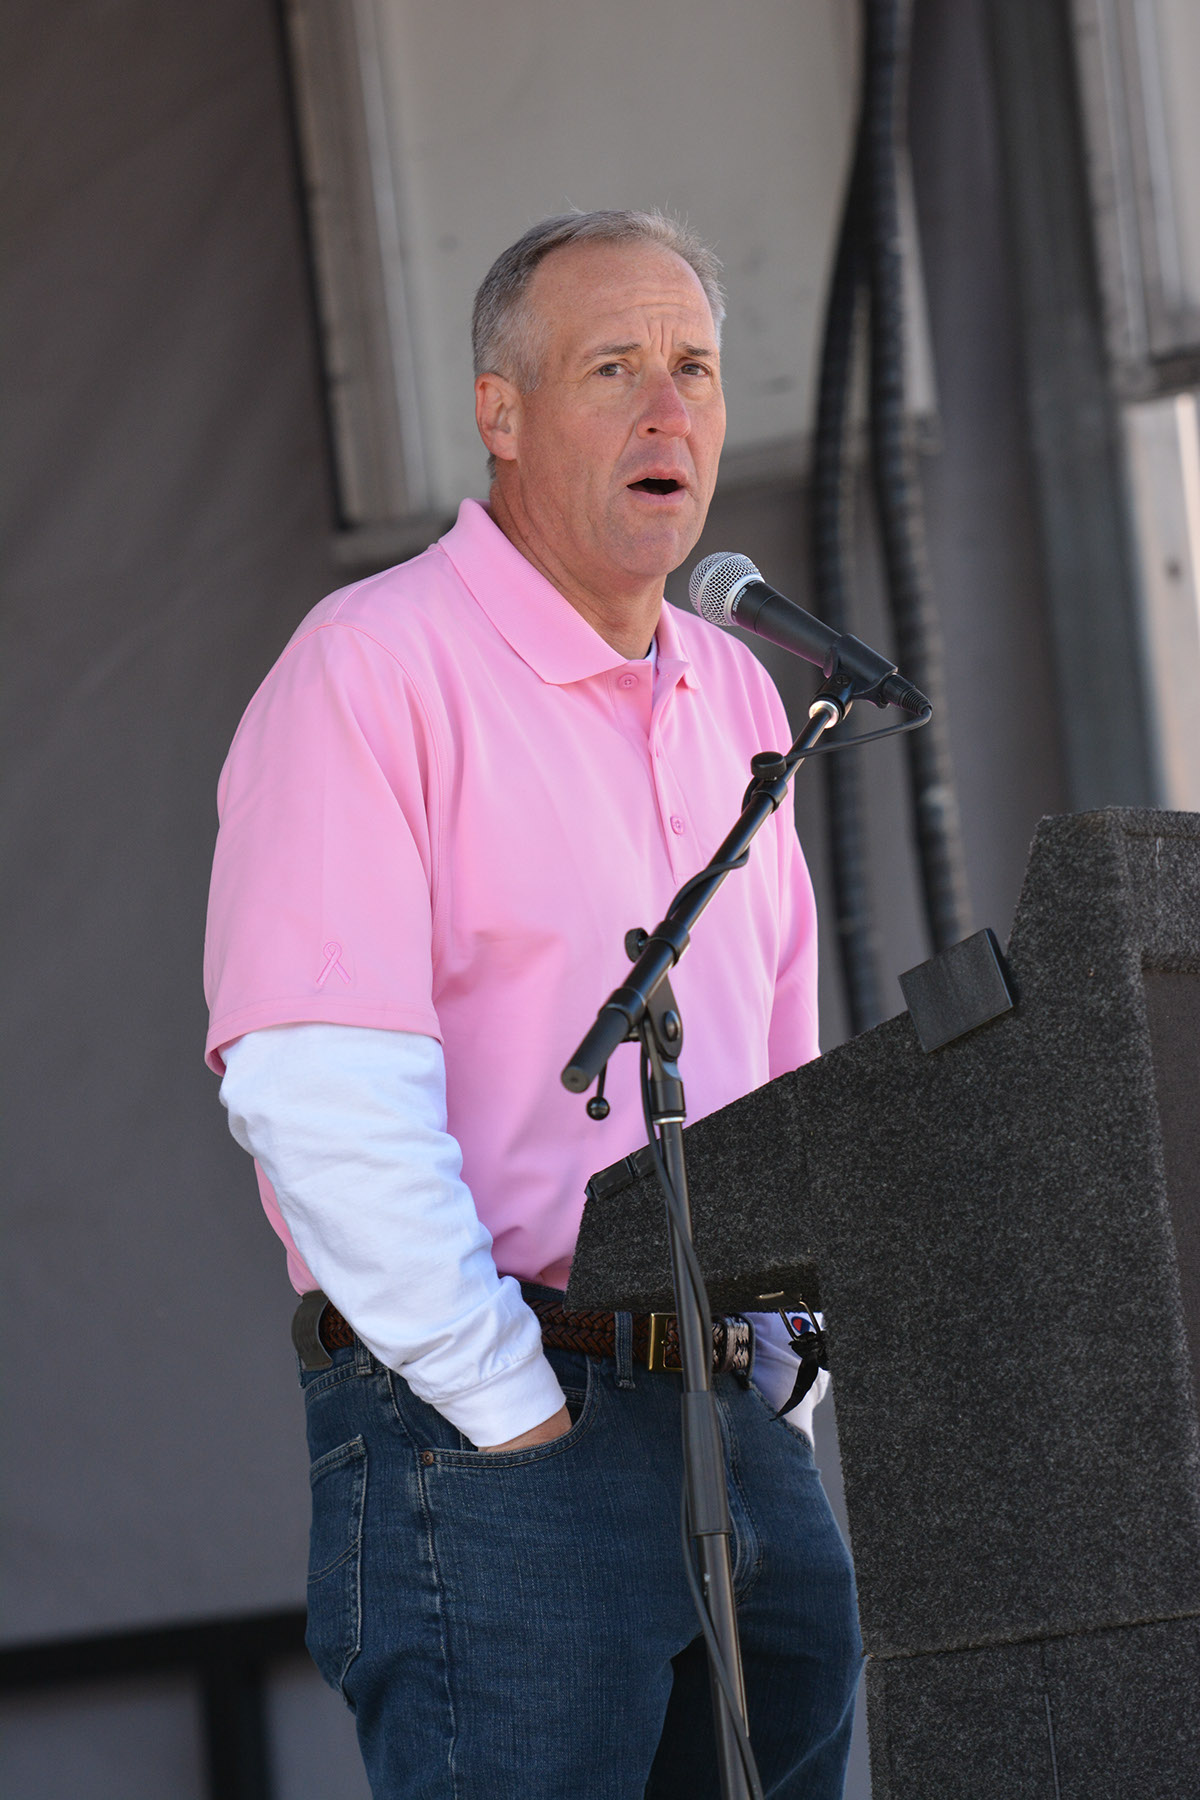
[333,1330]
[655,1335]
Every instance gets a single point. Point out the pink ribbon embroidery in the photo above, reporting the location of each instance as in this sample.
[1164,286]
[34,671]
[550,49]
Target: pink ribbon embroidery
[333,960]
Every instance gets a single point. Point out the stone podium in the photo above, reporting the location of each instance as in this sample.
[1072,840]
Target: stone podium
[1004,1234]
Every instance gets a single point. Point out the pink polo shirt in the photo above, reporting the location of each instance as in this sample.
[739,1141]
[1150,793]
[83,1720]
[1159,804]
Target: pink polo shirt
[444,807]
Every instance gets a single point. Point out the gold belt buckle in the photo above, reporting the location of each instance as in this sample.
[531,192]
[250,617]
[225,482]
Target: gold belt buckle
[656,1346]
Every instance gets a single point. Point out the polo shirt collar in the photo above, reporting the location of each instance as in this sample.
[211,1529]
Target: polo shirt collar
[674,664]
[532,616]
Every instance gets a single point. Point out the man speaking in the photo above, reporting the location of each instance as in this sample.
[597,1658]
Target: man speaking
[462,782]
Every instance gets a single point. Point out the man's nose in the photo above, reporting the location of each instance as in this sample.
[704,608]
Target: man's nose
[663,411]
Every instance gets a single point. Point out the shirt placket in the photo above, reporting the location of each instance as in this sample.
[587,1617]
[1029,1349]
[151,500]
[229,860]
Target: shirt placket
[632,695]
[673,812]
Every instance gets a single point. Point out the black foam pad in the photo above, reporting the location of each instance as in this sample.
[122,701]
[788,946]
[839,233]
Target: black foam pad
[1106,1715]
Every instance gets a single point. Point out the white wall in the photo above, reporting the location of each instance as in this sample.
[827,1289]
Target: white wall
[487,118]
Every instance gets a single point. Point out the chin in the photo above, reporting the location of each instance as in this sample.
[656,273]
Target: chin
[653,554]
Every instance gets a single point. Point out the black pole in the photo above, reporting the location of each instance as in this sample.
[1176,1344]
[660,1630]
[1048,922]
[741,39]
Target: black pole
[708,1520]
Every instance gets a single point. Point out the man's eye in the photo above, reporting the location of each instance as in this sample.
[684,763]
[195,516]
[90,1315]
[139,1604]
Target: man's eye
[694,368]
[609,369]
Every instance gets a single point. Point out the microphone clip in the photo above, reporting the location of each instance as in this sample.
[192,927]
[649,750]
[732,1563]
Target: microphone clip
[769,774]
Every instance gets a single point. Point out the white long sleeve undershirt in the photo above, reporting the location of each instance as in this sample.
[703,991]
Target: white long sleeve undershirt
[349,1124]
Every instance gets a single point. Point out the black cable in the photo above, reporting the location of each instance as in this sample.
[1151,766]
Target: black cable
[832,494]
[690,1259]
[832,514]
[753,1779]
[918,650]
[869,737]
[706,874]
[826,748]
[868,275]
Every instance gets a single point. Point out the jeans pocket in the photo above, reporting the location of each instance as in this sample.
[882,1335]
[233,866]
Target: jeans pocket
[582,1405]
[339,1497]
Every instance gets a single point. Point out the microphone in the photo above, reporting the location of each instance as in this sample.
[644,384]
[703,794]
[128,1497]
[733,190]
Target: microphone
[727,589]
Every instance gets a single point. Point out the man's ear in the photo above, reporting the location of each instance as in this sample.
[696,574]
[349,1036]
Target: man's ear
[498,415]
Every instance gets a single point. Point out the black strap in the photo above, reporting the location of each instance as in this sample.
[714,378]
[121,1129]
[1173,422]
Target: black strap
[809,1345]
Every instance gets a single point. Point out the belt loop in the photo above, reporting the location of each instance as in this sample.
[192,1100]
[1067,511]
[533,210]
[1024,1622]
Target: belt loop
[364,1362]
[623,1349]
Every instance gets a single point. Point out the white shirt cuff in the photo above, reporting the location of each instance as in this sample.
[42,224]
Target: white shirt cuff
[510,1403]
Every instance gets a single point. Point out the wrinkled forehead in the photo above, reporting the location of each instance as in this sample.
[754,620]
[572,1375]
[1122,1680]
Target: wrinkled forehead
[617,293]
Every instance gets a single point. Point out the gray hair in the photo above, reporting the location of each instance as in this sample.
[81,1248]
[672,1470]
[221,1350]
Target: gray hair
[509,340]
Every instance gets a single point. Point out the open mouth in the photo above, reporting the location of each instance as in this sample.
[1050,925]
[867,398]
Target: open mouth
[655,484]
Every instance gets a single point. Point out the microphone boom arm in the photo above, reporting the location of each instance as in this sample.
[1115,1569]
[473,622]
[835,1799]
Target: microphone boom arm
[622,1013]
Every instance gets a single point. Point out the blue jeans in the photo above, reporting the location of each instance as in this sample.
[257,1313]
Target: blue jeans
[518,1627]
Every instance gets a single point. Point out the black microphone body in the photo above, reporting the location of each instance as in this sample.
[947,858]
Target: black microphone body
[728,590]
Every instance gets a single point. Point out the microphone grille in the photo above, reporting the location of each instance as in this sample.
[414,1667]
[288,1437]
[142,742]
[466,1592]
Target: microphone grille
[716,583]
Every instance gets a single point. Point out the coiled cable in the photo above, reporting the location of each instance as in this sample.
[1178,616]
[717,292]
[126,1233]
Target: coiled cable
[868,280]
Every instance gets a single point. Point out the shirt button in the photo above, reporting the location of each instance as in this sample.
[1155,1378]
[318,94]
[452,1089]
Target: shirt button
[677,825]
[628,681]
[427,1458]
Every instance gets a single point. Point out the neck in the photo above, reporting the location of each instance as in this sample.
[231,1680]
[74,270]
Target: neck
[626,617]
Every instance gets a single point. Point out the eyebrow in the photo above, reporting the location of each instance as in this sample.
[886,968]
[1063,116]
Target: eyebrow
[627,349]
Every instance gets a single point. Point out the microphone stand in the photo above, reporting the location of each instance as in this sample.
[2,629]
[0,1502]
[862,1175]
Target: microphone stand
[644,1008]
